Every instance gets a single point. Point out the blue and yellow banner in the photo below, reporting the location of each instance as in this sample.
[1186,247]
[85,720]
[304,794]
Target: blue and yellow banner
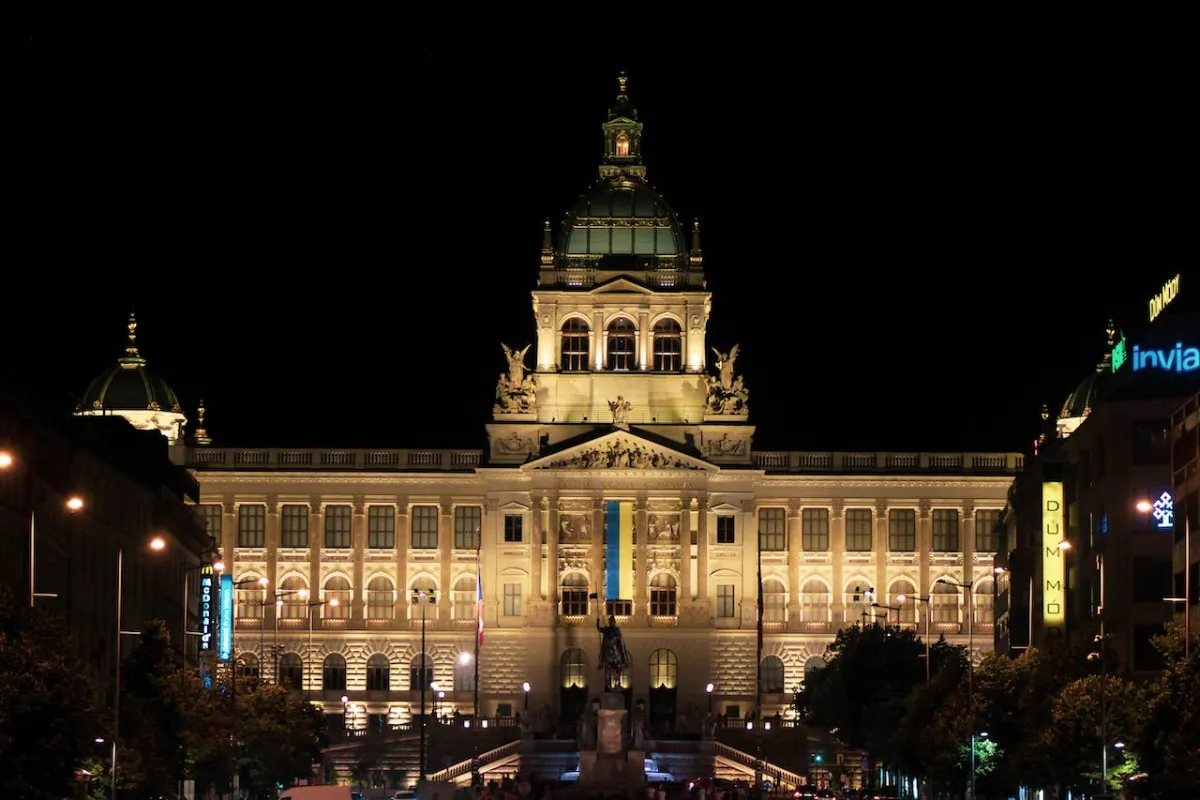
[618,541]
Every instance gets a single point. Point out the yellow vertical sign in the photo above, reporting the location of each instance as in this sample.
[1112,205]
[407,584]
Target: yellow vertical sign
[1054,573]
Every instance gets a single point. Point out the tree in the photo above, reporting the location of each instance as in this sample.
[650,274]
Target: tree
[48,723]
[1168,742]
[1075,730]
[280,736]
[934,758]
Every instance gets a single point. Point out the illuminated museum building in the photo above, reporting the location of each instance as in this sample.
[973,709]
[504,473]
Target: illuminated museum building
[616,401]
[1106,462]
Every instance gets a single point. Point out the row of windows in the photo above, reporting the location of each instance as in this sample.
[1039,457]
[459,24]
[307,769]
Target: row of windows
[291,599]
[859,528]
[664,670]
[291,671]
[899,604]
[621,346]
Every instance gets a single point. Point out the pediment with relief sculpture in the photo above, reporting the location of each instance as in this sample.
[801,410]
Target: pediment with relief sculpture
[620,449]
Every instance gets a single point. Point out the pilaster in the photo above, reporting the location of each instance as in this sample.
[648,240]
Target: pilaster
[924,544]
[685,551]
[794,540]
[403,537]
[837,554]
[445,561]
[702,552]
[535,550]
[641,542]
[596,548]
[550,519]
[879,550]
[358,541]
[316,542]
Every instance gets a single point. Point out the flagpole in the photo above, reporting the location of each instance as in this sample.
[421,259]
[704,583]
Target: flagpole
[478,639]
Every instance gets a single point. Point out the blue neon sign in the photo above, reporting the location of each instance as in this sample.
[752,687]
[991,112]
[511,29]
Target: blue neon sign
[206,607]
[225,624]
[1175,359]
[1163,512]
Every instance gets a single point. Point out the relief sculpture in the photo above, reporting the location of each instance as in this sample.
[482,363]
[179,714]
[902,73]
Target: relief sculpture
[663,529]
[619,454]
[574,528]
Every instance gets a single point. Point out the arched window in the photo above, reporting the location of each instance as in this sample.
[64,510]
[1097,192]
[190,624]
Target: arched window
[420,672]
[576,346]
[984,599]
[333,673]
[774,601]
[251,598]
[381,598]
[574,594]
[668,346]
[903,588]
[336,588]
[247,666]
[664,669]
[814,601]
[464,599]
[622,145]
[772,675]
[574,668]
[944,604]
[418,606]
[293,598]
[379,673]
[464,673]
[622,345]
[662,595]
[291,671]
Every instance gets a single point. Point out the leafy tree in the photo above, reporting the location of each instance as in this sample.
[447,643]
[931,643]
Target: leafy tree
[48,723]
[280,737]
[1074,733]
[1168,743]
[933,757]
[211,735]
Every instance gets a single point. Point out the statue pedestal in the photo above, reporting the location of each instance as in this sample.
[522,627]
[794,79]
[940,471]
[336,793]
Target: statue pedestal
[612,763]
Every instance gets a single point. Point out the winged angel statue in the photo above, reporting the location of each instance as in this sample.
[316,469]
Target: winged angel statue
[726,392]
[516,391]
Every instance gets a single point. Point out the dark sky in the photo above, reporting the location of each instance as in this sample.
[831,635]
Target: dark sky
[914,251]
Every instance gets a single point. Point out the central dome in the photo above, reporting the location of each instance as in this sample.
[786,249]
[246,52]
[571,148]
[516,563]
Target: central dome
[621,220]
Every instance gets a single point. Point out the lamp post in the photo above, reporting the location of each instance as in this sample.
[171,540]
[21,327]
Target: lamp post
[887,617]
[969,588]
[708,690]
[525,688]
[277,601]
[423,598]
[1146,507]
[928,614]
[312,613]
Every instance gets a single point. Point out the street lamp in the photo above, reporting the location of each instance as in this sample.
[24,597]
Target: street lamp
[887,617]
[969,588]
[525,689]
[928,614]
[312,613]
[1146,507]
[708,690]
[423,598]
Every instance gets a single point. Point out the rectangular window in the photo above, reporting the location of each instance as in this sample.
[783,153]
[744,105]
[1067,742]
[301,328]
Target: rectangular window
[902,530]
[424,527]
[381,527]
[293,526]
[337,527]
[945,531]
[210,518]
[513,524]
[725,528]
[512,600]
[858,530]
[815,529]
[772,529]
[252,526]
[467,520]
[987,537]
[726,604]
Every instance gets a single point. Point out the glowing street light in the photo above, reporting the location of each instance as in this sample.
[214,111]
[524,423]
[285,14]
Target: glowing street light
[157,543]
[6,459]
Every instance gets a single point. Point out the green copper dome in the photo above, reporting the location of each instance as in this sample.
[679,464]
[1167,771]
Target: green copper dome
[129,385]
[622,218]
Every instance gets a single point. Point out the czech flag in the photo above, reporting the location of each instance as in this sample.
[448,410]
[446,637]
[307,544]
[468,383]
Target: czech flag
[479,600]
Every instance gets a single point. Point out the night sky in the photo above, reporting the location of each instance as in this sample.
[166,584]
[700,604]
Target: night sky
[913,253]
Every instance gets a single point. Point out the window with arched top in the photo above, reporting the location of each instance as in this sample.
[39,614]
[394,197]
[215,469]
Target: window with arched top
[774,601]
[247,666]
[333,673]
[379,673]
[573,667]
[943,604]
[336,588]
[903,595]
[251,597]
[420,672]
[815,601]
[464,673]
[464,599]
[291,671]
[668,346]
[663,595]
[381,598]
[622,145]
[771,675]
[576,346]
[293,598]
[574,595]
[664,669]
[984,600]
[622,345]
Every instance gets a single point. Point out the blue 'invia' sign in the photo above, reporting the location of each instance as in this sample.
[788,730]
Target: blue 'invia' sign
[1175,359]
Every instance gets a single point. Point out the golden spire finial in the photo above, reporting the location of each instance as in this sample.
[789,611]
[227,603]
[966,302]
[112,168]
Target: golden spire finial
[1045,412]
[1111,332]
[622,81]
[202,436]
[132,358]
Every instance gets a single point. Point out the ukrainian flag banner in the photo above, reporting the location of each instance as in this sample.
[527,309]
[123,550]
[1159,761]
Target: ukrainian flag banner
[618,541]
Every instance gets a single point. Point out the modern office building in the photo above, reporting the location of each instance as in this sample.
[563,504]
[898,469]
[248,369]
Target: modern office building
[1185,495]
[620,478]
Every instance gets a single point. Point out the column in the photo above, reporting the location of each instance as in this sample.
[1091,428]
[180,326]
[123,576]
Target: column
[795,535]
[641,541]
[751,541]
[316,541]
[685,554]
[837,555]
[702,552]
[598,340]
[358,541]
[535,551]
[645,340]
[491,532]
[403,537]
[879,546]
[924,543]
[596,550]
[966,542]
[228,538]
[550,521]
[445,562]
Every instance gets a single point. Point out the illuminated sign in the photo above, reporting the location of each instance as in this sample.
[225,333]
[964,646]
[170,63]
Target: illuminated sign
[206,607]
[1169,292]
[1163,512]
[225,623]
[1176,359]
[1120,353]
[1054,573]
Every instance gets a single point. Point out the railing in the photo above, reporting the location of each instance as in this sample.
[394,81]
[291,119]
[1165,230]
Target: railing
[834,461]
[305,460]
[781,776]
[463,767]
